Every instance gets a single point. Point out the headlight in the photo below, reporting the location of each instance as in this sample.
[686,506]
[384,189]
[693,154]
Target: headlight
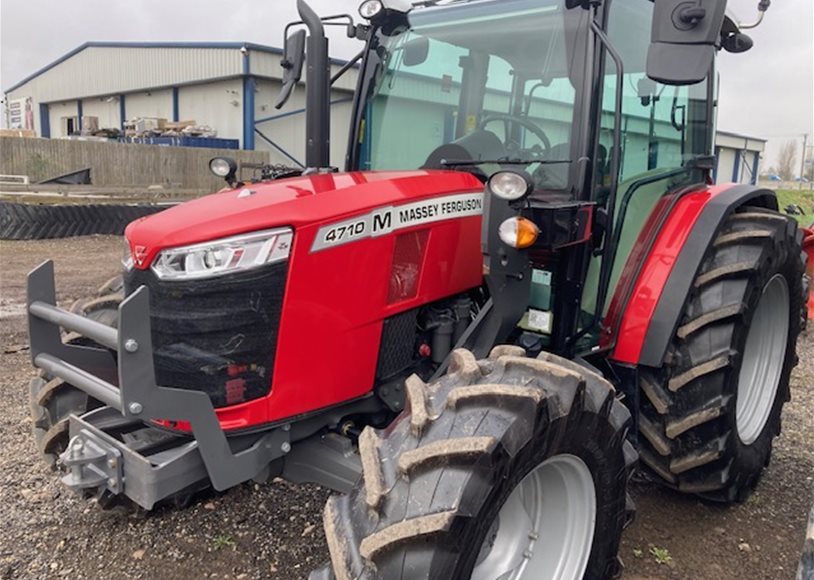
[518,232]
[511,185]
[370,9]
[127,256]
[224,256]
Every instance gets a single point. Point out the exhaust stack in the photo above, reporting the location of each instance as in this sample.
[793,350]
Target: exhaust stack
[317,91]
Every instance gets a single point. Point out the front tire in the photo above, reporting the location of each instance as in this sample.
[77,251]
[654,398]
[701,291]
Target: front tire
[504,464]
[709,417]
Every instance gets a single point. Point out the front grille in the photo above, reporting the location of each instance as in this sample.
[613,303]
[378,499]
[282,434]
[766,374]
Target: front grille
[218,335]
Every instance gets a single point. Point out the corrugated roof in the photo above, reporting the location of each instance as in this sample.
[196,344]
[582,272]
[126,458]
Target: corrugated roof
[741,136]
[154,45]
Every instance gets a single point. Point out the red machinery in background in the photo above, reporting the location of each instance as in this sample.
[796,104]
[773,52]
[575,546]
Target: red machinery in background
[808,248]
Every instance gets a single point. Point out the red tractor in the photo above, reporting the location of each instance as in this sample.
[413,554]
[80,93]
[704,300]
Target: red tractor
[808,248]
[524,280]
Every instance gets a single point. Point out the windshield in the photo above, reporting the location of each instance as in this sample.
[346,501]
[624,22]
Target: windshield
[478,81]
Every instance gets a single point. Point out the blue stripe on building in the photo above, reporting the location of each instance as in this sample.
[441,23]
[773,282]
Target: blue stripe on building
[717,163]
[249,87]
[736,167]
[176,107]
[45,120]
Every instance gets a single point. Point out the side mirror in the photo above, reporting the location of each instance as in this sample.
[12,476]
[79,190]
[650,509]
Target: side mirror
[293,59]
[416,51]
[684,35]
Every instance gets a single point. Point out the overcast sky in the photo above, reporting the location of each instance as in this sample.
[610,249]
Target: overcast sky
[767,92]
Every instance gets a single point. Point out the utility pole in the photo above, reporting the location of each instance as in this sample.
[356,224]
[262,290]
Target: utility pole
[803,161]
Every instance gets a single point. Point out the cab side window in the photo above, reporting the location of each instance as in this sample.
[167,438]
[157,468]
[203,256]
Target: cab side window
[663,127]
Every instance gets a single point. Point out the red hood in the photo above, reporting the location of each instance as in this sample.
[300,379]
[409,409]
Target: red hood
[291,202]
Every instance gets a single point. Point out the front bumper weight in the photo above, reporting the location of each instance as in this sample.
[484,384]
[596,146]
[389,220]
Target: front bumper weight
[125,381]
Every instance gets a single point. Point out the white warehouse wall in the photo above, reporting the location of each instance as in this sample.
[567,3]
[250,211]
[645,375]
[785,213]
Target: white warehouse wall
[102,70]
[56,111]
[106,109]
[289,132]
[726,165]
[149,104]
[217,104]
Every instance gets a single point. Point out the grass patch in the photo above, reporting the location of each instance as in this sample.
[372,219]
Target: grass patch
[661,555]
[222,542]
[802,197]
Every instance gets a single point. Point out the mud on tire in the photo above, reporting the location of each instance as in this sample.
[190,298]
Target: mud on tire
[435,479]
[52,401]
[688,425]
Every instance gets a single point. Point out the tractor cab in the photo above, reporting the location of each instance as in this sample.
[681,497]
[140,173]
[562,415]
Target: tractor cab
[466,87]
[597,109]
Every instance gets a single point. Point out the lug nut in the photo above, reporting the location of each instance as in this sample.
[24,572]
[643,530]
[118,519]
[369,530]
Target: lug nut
[130,345]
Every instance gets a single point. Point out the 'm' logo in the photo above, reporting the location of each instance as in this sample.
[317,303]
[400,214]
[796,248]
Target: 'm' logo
[139,254]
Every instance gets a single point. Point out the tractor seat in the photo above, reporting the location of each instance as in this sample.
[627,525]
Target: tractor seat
[479,144]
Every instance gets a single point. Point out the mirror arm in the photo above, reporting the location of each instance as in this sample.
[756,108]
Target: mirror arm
[762,7]
[347,66]
[285,94]
[754,24]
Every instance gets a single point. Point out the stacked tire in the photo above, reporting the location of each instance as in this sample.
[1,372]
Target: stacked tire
[22,221]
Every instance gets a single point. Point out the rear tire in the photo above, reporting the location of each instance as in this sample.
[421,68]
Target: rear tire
[439,481]
[708,418]
[52,400]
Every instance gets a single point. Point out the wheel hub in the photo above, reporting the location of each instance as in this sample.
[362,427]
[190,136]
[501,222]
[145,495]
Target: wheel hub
[545,529]
[763,360]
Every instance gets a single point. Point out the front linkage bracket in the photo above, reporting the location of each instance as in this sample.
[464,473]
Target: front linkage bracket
[93,464]
[127,383]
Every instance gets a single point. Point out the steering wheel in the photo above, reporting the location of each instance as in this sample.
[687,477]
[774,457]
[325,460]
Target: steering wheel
[522,121]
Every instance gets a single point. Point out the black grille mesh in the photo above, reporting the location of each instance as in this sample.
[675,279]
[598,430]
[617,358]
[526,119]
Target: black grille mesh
[218,335]
[397,348]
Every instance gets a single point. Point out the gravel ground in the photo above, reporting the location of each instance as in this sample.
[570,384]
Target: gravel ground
[274,530]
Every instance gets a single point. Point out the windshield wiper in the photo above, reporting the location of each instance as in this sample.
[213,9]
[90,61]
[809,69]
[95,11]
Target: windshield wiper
[464,162]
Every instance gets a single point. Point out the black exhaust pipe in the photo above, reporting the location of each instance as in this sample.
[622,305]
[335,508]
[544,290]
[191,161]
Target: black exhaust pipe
[317,91]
